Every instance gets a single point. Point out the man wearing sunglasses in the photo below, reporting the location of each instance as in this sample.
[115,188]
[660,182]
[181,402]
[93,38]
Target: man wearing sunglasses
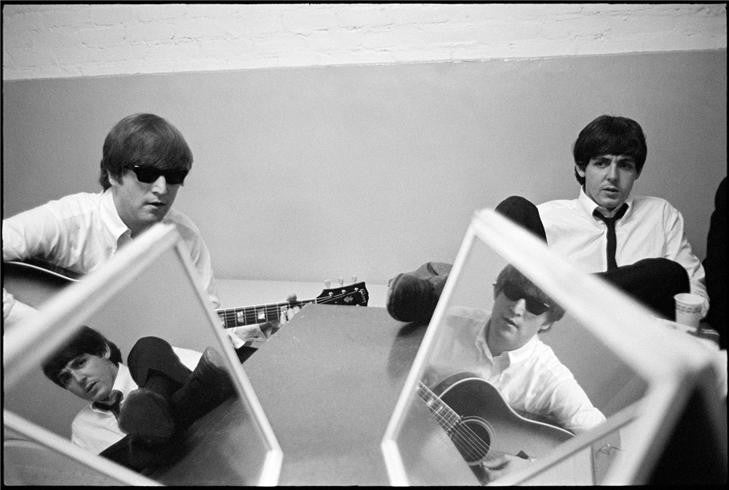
[503,348]
[145,161]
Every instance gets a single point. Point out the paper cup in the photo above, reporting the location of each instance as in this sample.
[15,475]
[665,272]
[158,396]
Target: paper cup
[688,309]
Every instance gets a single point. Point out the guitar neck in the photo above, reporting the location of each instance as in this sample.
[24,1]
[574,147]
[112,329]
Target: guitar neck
[250,315]
[444,414]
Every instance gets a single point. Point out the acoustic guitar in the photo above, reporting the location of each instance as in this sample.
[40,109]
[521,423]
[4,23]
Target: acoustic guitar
[482,425]
[33,282]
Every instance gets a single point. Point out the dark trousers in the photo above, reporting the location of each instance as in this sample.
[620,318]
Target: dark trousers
[652,282]
[151,354]
[148,357]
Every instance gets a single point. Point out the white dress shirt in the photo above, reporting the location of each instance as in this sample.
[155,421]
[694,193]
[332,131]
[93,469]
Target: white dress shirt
[651,228]
[80,232]
[531,379]
[95,429]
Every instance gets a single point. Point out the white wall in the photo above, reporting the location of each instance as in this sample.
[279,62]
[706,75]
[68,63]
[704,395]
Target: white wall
[357,152]
[322,172]
[52,41]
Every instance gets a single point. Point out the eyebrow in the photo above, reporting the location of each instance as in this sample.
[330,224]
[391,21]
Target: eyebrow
[619,157]
[72,364]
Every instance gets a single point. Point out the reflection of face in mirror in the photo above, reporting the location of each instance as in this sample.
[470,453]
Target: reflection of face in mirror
[90,376]
[520,311]
[513,399]
[137,410]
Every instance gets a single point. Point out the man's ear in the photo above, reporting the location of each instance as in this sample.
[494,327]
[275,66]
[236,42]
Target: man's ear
[546,326]
[580,171]
[107,352]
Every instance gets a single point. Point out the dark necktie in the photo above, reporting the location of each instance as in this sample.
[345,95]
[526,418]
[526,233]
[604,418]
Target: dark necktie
[611,240]
[113,405]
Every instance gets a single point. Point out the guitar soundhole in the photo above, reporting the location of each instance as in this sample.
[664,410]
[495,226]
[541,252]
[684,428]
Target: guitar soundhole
[472,437]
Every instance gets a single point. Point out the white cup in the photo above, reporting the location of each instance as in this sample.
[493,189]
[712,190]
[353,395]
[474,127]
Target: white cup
[688,309]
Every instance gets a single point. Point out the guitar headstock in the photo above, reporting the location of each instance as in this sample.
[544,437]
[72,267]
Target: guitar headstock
[351,295]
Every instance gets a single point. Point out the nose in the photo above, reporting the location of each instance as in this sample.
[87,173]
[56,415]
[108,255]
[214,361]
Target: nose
[79,376]
[612,172]
[159,186]
[519,307]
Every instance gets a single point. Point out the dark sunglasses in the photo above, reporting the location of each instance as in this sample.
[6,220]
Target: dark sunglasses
[149,174]
[533,305]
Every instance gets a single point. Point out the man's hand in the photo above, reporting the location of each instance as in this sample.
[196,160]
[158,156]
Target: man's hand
[262,331]
[499,466]
[285,315]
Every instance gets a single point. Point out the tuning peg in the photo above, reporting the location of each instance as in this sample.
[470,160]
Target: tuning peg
[354,279]
[341,281]
[327,284]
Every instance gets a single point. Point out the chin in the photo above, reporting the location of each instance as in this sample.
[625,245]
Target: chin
[150,220]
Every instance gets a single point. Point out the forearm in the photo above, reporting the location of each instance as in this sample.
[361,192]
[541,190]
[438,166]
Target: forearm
[679,250]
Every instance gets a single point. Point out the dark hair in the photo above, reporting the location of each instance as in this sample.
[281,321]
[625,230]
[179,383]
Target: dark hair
[510,275]
[609,135]
[143,139]
[85,341]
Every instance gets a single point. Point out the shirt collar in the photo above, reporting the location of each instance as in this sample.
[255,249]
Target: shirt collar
[589,206]
[524,352]
[123,382]
[110,216]
[480,341]
[510,357]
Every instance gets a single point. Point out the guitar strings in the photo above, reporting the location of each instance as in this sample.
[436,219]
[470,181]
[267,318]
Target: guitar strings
[459,429]
[270,309]
[461,432]
[276,306]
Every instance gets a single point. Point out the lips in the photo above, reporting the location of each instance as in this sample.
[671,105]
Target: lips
[90,386]
[156,207]
[510,322]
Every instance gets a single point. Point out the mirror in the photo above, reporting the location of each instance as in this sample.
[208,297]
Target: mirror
[146,290]
[526,370]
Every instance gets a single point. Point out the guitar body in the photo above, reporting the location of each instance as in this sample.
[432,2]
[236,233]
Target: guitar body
[32,283]
[484,425]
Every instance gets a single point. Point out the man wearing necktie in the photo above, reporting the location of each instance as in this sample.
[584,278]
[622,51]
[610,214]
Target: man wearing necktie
[637,243]
[137,409]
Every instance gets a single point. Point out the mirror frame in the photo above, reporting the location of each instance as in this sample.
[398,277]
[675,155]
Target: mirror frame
[668,362]
[29,341]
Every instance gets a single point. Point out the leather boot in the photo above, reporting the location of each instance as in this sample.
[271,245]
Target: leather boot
[208,386]
[146,415]
[411,299]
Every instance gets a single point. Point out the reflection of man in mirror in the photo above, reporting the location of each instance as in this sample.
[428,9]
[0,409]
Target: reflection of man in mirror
[508,353]
[503,348]
[137,408]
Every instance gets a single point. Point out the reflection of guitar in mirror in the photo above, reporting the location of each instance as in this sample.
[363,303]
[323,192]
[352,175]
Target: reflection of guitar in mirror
[482,425]
[34,282]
